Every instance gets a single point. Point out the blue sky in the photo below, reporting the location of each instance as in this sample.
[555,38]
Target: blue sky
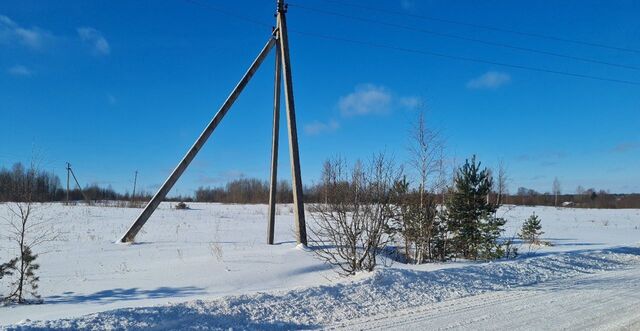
[115,86]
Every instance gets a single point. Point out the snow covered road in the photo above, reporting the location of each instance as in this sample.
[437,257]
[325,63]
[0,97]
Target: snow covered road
[607,300]
[577,290]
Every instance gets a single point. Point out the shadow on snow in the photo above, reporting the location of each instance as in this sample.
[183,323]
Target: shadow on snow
[119,294]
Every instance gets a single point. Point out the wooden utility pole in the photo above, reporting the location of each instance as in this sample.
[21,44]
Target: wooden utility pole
[294,155]
[283,67]
[274,152]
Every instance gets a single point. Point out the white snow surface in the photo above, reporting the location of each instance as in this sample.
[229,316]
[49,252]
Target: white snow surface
[209,268]
[598,301]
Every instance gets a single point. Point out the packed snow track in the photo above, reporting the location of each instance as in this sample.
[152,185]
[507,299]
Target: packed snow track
[608,300]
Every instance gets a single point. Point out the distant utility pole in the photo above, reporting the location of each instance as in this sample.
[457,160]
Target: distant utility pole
[70,171]
[135,179]
[279,40]
[68,175]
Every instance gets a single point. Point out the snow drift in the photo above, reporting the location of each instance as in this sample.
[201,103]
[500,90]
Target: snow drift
[385,290]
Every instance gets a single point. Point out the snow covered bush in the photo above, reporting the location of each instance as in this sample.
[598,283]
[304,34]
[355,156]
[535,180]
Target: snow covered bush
[349,228]
[181,205]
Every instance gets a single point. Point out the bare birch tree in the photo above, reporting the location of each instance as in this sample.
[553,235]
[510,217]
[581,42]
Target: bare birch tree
[556,190]
[501,183]
[426,150]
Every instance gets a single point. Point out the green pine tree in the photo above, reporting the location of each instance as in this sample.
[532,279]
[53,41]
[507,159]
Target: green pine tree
[531,229]
[6,269]
[27,282]
[470,217]
[400,224]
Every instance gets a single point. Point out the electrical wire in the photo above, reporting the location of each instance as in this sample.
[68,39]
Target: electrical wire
[417,51]
[228,13]
[486,27]
[459,37]
[464,58]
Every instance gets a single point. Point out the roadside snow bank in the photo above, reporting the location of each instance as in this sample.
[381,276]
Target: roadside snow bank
[386,290]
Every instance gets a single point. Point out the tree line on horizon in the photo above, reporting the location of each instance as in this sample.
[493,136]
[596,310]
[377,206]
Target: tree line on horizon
[48,188]
[45,186]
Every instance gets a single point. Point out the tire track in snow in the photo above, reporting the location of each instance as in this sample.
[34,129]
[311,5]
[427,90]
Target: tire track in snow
[607,300]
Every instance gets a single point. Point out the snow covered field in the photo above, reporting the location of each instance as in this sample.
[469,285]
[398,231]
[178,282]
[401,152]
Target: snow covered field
[209,267]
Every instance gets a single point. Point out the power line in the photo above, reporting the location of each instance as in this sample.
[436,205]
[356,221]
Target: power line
[487,27]
[423,52]
[464,58]
[228,13]
[460,37]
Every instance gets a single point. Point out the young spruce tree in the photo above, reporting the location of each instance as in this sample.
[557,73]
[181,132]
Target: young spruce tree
[470,217]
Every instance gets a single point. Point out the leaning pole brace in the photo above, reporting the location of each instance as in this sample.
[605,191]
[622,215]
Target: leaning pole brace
[193,151]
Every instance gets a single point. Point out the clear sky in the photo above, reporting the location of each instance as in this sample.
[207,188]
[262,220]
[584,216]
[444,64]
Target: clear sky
[115,86]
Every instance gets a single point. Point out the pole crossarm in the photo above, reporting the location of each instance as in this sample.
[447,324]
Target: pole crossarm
[130,235]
